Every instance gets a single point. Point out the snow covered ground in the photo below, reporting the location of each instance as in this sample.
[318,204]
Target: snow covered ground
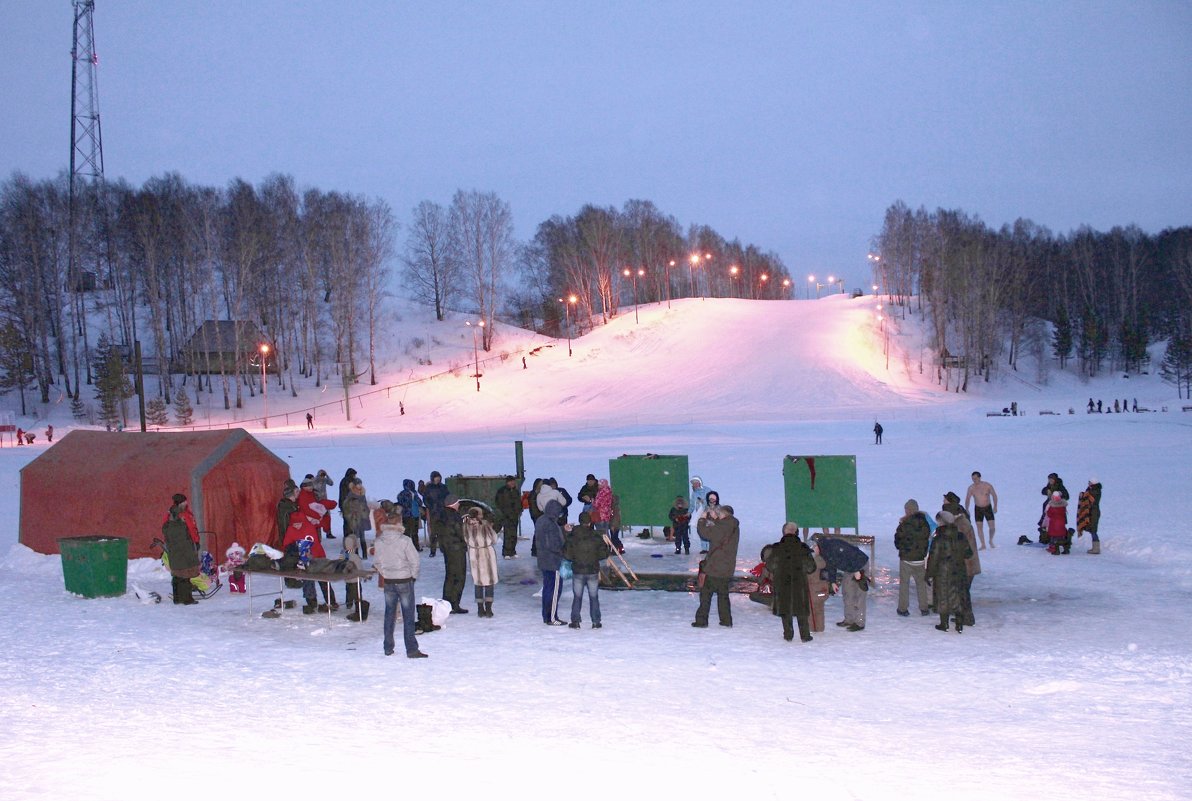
[1073,685]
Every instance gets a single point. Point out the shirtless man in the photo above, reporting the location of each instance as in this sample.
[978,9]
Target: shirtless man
[984,497]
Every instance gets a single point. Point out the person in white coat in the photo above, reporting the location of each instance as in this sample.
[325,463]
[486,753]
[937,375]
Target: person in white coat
[480,536]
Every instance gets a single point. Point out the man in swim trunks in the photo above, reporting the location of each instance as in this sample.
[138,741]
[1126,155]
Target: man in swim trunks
[984,497]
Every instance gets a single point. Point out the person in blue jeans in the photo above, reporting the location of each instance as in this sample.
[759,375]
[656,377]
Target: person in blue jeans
[586,548]
[396,560]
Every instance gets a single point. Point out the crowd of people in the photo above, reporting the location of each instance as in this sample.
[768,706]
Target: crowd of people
[937,553]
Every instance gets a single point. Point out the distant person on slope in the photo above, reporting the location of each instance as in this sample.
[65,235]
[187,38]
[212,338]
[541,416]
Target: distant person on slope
[877,433]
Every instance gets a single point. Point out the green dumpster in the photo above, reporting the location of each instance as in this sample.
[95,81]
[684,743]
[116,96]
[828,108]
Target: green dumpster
[95,567]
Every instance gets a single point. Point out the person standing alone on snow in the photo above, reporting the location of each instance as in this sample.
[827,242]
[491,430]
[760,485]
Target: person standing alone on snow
[984,498]
[877,433]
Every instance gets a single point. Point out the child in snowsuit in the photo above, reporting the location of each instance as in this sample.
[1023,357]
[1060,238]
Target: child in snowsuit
[680,518]
[1057,525]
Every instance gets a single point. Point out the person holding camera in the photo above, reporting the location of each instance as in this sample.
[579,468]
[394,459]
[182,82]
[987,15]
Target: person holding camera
[723,534]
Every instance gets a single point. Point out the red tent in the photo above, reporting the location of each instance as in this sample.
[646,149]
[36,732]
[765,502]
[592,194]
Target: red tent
[120,484]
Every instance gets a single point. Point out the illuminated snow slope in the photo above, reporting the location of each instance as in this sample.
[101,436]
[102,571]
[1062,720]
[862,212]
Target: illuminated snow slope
[1074,684]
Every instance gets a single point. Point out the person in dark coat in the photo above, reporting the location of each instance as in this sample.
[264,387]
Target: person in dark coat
[877,433]
[841,557]
[1088,513]
[948,574]
[181,535]
[586,548]
[411,503]
[285,507]
[345,486]
[548,536]
[911,539]
[508,505]
[357,516]
[455,554]
[434,495]
[790,562]
[680,517]
[723,534]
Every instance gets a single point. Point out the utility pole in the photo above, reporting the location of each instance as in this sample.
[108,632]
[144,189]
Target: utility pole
[86,153]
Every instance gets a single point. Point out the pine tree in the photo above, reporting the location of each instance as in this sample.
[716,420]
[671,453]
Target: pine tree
[156,413]
[1061,338]
[1177,364]
[183,411]
[112,385]
[16,362]
[78,409]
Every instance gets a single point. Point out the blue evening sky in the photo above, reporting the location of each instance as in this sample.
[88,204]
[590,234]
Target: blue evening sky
[791,125]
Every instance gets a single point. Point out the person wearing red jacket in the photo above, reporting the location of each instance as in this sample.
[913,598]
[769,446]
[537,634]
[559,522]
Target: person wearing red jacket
[304,526]
[1057,524]
[307,496]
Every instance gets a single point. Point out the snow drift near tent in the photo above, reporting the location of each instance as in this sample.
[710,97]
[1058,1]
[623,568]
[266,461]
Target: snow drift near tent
[120,484]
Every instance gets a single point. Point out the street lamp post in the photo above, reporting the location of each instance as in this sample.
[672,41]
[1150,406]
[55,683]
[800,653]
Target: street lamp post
[786,288]
[669,264]
[475,349]
[264,351]
[732,287]
[628,273]
[567,304]
[765,282]
[810,281]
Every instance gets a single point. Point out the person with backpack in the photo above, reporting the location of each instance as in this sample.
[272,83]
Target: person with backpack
[789,562]
[911,539]
[411,503]
[181,535]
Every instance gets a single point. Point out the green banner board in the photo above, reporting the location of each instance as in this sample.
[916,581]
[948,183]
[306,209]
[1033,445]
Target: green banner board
[821,491]
[647,486]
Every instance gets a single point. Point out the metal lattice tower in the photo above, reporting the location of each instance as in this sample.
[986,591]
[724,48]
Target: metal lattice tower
[86,142]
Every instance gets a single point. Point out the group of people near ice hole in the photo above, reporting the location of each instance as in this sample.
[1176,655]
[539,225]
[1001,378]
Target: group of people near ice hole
[939,553]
